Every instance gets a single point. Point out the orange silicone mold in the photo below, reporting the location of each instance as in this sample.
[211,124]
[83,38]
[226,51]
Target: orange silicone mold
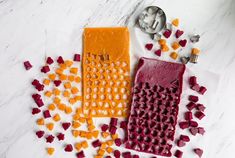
[106,72]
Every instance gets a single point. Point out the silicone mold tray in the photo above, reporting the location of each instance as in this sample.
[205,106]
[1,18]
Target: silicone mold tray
[154,109]
[106,72]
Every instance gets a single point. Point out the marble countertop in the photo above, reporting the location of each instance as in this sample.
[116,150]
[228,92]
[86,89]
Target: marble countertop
[34,29]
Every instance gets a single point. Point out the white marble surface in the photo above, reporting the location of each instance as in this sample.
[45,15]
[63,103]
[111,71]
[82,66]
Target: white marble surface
[34,29]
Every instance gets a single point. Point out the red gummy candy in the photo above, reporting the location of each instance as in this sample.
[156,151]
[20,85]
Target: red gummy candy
[60,60]
[80,154]
[202,90]
[193,98]
[149,46]
[201,107]
[117,153]
[49,60]
[40,134]
[35,82]
[38,100]
[178,154]
[195,87]
[192,80]
[66,125]
[126,154]
[199,115]
[158,52]
[46,114]
[193,124]
[179,33]
[68,148]
[35,111]
[135,156]
[45,69]
[60,136]
[184,138]
[191,106]
[36,96]
[198,151]
[50,139]
[96,143]
[167,33]
[57,83]
[188,116]
[118,141]
[193,130]
[112,129]
[108,157]
[113,122]
[123,124]
[104,127]
[184,124]
[77,57]
[181,143]
[201,130]
[183,43]
[27,65]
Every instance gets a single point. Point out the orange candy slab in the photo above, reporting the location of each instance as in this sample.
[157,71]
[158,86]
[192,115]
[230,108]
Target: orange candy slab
[106,72]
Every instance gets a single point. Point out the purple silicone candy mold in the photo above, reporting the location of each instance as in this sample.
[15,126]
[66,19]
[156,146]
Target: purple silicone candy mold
[154,108]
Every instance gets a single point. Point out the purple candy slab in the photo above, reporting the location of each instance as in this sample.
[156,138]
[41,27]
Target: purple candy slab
[154,109]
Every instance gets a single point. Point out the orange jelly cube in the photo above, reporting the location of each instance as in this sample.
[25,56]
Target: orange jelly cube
[50,151]
[67,85]
[40,121]
[56,117]
[52,76]
[50,126]
[51,107]
[46,82]
[74,70]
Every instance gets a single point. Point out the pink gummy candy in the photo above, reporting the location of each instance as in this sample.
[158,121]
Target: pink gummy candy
[167,33]
[123,124]
[57,83]
[201,107]
[179,33]
[201,130]
[40,134]
[35,111]
[50,139]
[158,52]
[193,123]
[202,90]
[104,127]
[96,143]
[35,82]
[184,138]
[149,46]
[66,125]
[135,156]
[60,136]
[193,98]
[112,129]
[45,69]
[113,122]
[188,115]
[46,114]
[27,65]
[117,153]
[49,60]
[199,115]
[178,154]
[193,130]
[191,106]
[77,57]
[126,154]
[183,43]
[68,148]
[80,154]
[184,124]
[60,60]
[195,87]
[192,80]
[181,143]
[198,151]
[118,141]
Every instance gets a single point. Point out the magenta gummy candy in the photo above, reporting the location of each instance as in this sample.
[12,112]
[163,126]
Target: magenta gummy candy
[193,98]
[117,153]
[108,157]
[178,33]
[180,143]
[192,80]
[193,130]
[39,102]
[201,107]
[45,69]
[126,154]
[154,107]
[195,87]
[57,83]
[193,123]
[135,156]
[80,154]
[36,96]
[178,154]
[188,115]
[123,124]
[46,114]
[184,124]
[149,46]
[49,60]
[60,136]
[40,134]
[167,33]
[201,130]
[104,127]
[50,139]
[199,115]
[77,57]
[60,60]
[96,143]
[158,52]
[191,106]
[35,82]
[118,141]
[35,111]
[184,138]
[39,87]
[66,125]
[198,151]
[27,65]
[113,122]
[202,90]
[183,43]
[68,148]
[112,129]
